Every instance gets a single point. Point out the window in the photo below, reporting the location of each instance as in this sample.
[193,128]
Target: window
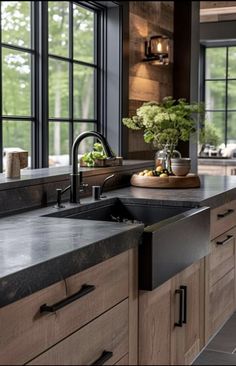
[220,91]
[51,77]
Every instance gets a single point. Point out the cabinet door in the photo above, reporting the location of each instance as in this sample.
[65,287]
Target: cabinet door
[220,282]
[155,325]
[189,336]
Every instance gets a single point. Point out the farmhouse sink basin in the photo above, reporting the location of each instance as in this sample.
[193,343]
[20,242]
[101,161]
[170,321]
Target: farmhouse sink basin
[173,237]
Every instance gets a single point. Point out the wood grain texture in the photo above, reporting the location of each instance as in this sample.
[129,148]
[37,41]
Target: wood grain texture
[28,333]
[222,257]
[220,225]
[221,302]
[109,332]
[133,307]
[124,361]
[155,325]
[189,181]
[148,82]
[187,339]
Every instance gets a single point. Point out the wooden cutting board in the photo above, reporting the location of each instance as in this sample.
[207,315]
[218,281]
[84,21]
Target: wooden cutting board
[189,181]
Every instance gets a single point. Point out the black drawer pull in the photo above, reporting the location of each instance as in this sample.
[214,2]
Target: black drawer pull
[225,241]
[106,355]
[184,288]
[180,293]
[85,289]
[224,214]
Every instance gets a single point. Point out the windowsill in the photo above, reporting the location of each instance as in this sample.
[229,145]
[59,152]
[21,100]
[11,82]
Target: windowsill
[31,177]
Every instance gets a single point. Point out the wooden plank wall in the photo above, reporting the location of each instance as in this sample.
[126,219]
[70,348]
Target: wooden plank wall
[147,82]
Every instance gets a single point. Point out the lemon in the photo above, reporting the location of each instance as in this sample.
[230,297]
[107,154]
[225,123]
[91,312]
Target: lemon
[163,175]
[150,174]
[159,169]
[141,173]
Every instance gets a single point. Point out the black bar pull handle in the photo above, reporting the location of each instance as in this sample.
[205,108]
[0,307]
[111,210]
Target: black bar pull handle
[185,303]
[180,322]
[106,355]
[225,241]
[85,289]
[224,214]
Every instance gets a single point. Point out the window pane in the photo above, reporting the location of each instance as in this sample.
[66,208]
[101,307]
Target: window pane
[58,143]
[58,28]
[83,34]
[17,135]
[58,88]
[231,133]
[218,121]
[216,63]
[87,144]
[16,83]
[16,22]
[232,94]
[215,95]
[232,62]
[83,92]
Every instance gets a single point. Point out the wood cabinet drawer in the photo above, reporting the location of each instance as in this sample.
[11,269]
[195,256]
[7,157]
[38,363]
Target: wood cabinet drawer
[28,332]
[106,335]
[124,361]
[222,256]
[223,218]
[221,302]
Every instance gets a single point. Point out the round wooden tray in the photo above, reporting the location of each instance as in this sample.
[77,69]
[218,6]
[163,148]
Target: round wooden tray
[189,181]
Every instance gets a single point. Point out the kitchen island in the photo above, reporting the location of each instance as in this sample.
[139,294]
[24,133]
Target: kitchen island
[45,259]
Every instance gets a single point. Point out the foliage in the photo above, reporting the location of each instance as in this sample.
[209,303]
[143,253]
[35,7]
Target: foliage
[17,73]
[165,123]
[97,153]
[209,135]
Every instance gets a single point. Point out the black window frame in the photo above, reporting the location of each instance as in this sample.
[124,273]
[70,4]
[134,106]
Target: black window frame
[39,80]
[225,110]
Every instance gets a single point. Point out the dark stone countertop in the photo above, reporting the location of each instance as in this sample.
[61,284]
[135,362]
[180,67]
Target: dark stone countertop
[214,192]
[37,251]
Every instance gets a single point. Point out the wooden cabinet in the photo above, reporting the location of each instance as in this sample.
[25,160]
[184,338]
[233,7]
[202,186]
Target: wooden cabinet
[220,280]
[104,338]
[155,323]
[188,339]
[63,312]
[171,322]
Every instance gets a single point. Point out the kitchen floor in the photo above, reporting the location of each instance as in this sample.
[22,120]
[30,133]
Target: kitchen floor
[222,348]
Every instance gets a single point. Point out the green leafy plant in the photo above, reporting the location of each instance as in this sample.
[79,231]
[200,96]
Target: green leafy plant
[97,153]
[165,123]
[209,134]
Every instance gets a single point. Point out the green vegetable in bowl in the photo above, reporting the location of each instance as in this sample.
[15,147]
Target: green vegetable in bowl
[97,153]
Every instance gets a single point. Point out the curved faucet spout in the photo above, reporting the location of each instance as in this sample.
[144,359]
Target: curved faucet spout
[76,179]
[80,138]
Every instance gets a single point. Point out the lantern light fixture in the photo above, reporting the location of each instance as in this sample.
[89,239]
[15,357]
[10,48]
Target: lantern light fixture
[157,50]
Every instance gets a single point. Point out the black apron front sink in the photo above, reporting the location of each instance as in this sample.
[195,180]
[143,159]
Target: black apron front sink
[174,237]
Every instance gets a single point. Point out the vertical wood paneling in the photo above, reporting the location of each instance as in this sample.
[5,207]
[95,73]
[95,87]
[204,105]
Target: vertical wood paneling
[147,82]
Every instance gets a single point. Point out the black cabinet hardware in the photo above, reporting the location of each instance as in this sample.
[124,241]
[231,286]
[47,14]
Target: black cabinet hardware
[184,288]
[85,289]
[180,292]
[224,214]
[106,355]
[225,241]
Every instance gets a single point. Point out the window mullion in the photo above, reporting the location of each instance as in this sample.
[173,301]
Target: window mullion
[71,79]
[43,84]
[226,96]
[1,127]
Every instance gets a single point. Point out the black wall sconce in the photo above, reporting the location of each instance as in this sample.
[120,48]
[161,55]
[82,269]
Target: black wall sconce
[157,50]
